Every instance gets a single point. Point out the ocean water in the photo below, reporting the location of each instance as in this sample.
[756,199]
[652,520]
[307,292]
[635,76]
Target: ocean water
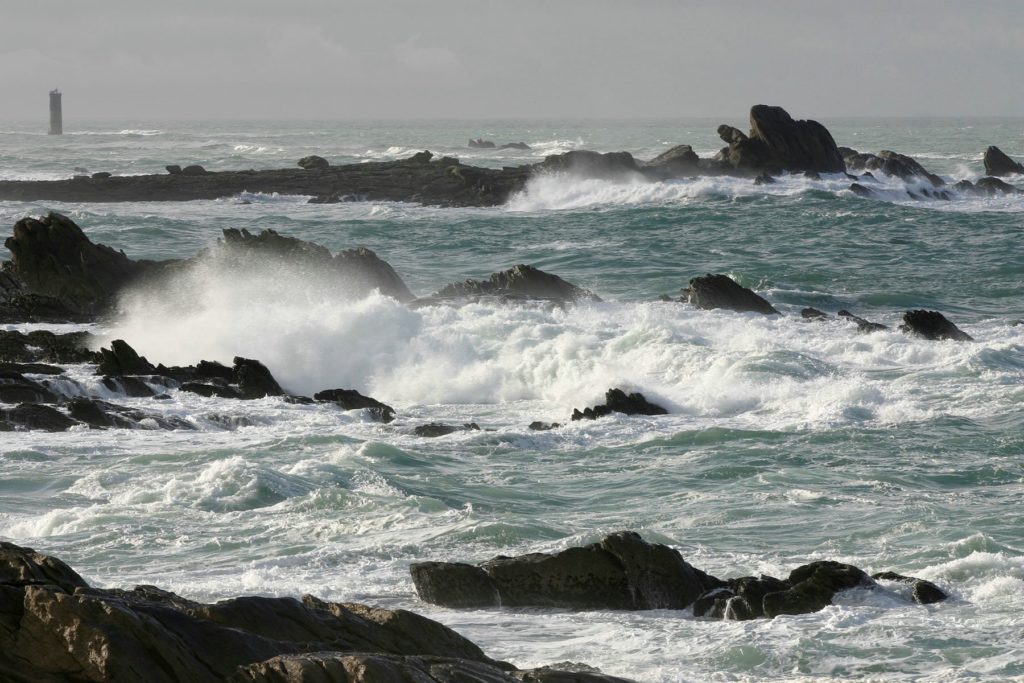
[787,441]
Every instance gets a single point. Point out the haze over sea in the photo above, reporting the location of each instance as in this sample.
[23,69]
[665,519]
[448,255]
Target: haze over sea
[787,440]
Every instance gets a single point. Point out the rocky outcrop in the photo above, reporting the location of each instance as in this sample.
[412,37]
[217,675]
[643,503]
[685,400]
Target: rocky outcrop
[34,416]
[363,271]
[55,628]
[892,164]
[43,346]
[932,325]
[350,399]
[620,572]
[618,401]
[520,281]
[16,388]
[777,143]
[721,291]
[679,161]
[314,163]
[122,359]
[998,164]
[863,326]
[612,165]
[923,592]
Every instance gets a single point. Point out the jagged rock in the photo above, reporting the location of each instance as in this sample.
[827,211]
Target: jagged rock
[350,399]
[721,291]
[480,143]
[677,161]
[998,164]
[538,426]
[42,345]
[995,186]
[16,388]
[102,414]
[269,244]
[741,600]
[25,567]
[522,281]
[435,429]
[924,592]
[210,390]
[122,359]
[620,572]
[173,169]
[618,401]
[314,163]
[812,587]
[932,325]
[864,326]
[893,164]
[423,157]
[778,143]
[254,380]
[35,416]
[362,271]
[132,386]
[589,164]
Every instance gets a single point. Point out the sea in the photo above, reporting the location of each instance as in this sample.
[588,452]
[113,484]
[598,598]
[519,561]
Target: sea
[787,440]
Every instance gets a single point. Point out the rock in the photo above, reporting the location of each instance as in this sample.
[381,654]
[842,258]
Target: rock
[932,325]
[25,567]
[480,143]
[53,257]
[423,157]
[764,179]
[31,368]
[254,380]
[122,359]
[173,169]
[314,163]
[812,175]
[721,291]
[516,145]
[132,386]
[998,164]
[812,314]
[778,143]
[35,416]
[194,169]
[102,414]
[42,345]
[620,572]
[812,587]
[210,390]
[519,281]
[350,399]
[893,164]
[101,175]
[16,388]
[435,429]
[617,401]
[995,186]
[861,191]
[613,165]
[268,244]
[680,160]
[544,426]
[863,325]
[363,271]
[924,592]
[741,600]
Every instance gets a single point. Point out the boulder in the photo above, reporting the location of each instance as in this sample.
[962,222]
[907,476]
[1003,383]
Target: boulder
[314,163]
[454,584]
[194,169]
[587,164]
[210,390]
[741,599]
[932,325]
[539,426]
[21,567]
[861,191]
[362,271]
[350,399]
[480,143]
[924,592]
[519,281]
[680,160]
[721,291]
[435,429]
[103,414]
[811,313]
[618,401]
[893,164]
[173,169]
[423,157]
[994,186]
[778,143]
[254,379]
[998,164]
[812,587]
[269,244]
[133,386]
[122,359]
[35,416]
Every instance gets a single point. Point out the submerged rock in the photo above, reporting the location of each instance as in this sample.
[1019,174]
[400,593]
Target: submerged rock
[103,414]
[932,325]
[350,399]
[997,163]
[721,291]
[618,401]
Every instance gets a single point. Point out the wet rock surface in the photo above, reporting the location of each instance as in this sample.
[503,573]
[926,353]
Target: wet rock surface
[932,325]
[618,401]
[350,399]
[721,291]
[518,281]
[997,163]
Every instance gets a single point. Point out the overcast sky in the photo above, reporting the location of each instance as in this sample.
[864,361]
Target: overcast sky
[328,59]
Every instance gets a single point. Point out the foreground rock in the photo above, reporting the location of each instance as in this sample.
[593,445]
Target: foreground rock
[777,143]
[721,291]
[932,325]
[890,163]
[350,399]
[624,572]
[57,629]
[998,164]
[618,401]
[518,282]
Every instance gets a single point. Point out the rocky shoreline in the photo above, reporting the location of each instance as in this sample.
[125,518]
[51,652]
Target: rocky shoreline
[775,144]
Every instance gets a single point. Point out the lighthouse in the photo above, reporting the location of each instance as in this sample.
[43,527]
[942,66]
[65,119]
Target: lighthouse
[56,116]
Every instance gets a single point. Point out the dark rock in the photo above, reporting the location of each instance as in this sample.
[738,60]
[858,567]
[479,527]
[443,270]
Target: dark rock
[516,145]
[998,164]
[254,380]
[128,385]
[867,175]
[25,567]
[680,160]
[102,414]
[122,359]
[893,164]
[350,399]
[423,157]
[544,426]
[101,175]
[778,143]
[863,326]
[35,416]
[618,401]
[31,368]
[314,163]
[612,165]
[194,169]
[454,584]
[520,280]
[207,369]
[173,169]
[480,143]
[362,271]
[435,429]
[861,191]
[932,325]
[812,587]
[995,186]
[721,291]
[812,314]
[764,179]
[210,390]
[812,175]
[924,592]
[15,388]
[41,345]
[268,244]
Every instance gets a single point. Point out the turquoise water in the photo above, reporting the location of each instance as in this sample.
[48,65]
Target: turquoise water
[786,441]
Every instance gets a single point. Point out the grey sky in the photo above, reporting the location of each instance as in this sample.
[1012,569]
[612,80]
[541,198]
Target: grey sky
[316,59]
